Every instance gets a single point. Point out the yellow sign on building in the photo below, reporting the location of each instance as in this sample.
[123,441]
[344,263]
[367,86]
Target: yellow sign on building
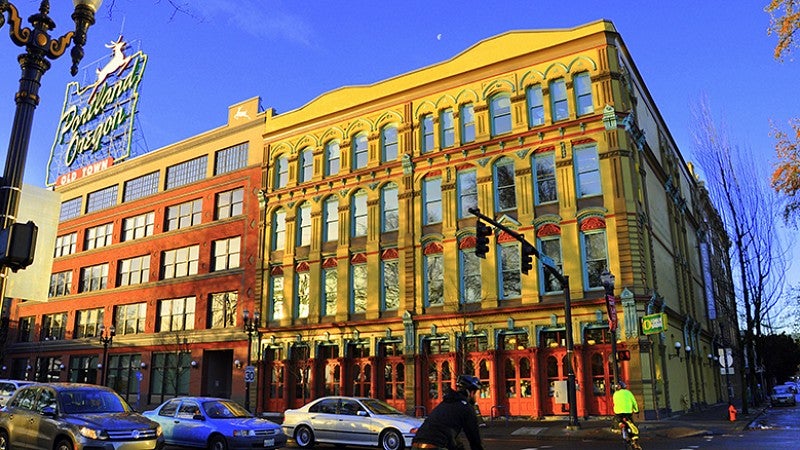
[654,323]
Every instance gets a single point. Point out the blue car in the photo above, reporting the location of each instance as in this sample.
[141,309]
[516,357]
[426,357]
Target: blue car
[215,424]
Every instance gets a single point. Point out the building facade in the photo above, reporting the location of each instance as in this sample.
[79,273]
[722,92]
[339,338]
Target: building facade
[357,247]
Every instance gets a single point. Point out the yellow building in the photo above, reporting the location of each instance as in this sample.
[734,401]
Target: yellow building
[372,285]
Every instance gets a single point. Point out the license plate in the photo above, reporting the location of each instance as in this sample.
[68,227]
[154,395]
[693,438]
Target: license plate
[269,442]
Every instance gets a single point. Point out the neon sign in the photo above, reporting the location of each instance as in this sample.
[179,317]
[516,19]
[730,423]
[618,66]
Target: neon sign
[96,125]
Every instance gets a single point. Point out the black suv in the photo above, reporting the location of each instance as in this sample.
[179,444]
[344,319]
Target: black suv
[71,416]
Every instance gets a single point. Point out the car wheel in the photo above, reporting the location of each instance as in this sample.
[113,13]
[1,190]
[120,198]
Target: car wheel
[63,444]
[4,441]
[217,443]
[392,440]
[304,437]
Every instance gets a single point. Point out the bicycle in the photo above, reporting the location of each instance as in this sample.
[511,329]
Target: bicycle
[630,434]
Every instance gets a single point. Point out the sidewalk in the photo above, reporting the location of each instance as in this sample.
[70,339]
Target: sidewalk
[709,421]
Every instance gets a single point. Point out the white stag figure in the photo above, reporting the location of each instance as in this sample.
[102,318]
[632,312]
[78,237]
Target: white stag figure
[117,64]
[241,114]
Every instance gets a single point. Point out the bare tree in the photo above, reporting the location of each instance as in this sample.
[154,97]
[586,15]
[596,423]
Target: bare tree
[750,212]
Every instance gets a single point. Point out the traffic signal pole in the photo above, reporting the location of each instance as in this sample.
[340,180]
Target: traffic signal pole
[529,250]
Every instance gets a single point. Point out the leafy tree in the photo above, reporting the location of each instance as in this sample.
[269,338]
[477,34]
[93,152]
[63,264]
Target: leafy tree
[780,354]
[784,21]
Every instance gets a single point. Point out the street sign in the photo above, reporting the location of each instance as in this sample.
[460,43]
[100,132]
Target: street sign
[654,323]
[725,357]
[611,308]
[139,376]
[726,370]
[548,261]
[249,374]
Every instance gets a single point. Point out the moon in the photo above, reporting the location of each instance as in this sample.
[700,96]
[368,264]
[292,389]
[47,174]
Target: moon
[439,37]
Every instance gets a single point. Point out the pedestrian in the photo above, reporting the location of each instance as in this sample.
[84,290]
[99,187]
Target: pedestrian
[625,406]
[455,414]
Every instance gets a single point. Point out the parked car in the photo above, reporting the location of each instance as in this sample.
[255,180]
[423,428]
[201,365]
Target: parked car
[71,416]
[350,421]
[216,424]
[782,395]
[8,387]
[792,386]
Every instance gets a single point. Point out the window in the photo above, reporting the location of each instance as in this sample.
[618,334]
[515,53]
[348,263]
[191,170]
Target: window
[54,326]
[595,256]
[432,199]
[359,213]
[176,314]
[138,226]
[467,116]
[426,133]
[302,294]
[360,151]
[186,172]
[467,192]
[304,225]
[535,105]
[330,217]
[230,159]
[25,333]
[505,185]
[230,203]
[390,218]
[390,288]
[500,110]
[184,215]
[281,172]
[582,85]
[306,171]
[87,322]
[510,278]
[121,376]
[550,246]
[169,375]
[225,253]
[434,279]
[133,271]
[587,171]
[94,278]
[83,369]
[180,262]
[223,309]
[470,276]
[358,300]
[66,244]
[389,143]
[332,158]
[102,199]
[60,284]
[448,126]
[558,100]
[140,187]
[70,209]
[130,319]
[276,285]
[544,178]
[99,236]
[331,293]
[279,230]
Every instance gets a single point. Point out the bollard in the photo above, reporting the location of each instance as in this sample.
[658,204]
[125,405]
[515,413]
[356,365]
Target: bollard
[732,413]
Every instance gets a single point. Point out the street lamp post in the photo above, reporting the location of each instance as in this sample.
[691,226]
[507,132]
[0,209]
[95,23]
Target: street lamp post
[107,338]
[251,328]
[608,278]
[39,47]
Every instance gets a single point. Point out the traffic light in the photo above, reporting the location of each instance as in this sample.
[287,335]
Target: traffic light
[482,233]
[526,259]
[624,355]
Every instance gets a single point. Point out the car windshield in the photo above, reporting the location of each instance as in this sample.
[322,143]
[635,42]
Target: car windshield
[225,410]
[86,401]
[379,407]
[780,390]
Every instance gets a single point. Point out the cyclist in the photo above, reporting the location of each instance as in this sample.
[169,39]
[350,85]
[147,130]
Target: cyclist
[625,406]
[455,414]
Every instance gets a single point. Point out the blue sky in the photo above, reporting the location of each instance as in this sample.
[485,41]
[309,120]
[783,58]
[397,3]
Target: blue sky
[290,52]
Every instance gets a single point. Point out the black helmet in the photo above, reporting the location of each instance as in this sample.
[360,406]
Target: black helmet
[468,382]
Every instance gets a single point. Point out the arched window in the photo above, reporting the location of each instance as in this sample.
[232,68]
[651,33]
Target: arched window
[281,172]
[330,218]
[582,84]
[467,118]
[389,143]
[360,151]
[505,188]
[304,225]
[587,171]
[279,230]
[467,186]
[332,158]
[558,100]
[426,133]
[359,213]
[544,177]
[306,162]
[390,219]
[535,100]
[432,199]
[447,126]
[500,111]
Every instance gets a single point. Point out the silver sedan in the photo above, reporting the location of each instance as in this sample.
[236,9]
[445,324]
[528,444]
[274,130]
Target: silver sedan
[350,421]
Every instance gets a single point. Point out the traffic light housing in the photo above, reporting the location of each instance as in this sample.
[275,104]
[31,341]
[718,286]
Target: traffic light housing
[526,258]
[623,355]
[482,233]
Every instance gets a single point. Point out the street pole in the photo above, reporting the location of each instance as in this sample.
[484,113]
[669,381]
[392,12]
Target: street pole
[608,280]
[251,328]
[106,338]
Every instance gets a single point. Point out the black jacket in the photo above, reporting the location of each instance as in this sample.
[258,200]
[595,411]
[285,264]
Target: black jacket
[447,420]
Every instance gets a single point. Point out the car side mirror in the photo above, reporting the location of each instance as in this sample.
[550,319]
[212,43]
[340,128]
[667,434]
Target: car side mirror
[49,411]
[361,413]
[198,417]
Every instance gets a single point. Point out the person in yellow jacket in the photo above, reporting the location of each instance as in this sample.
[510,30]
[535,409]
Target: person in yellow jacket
[625,406]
